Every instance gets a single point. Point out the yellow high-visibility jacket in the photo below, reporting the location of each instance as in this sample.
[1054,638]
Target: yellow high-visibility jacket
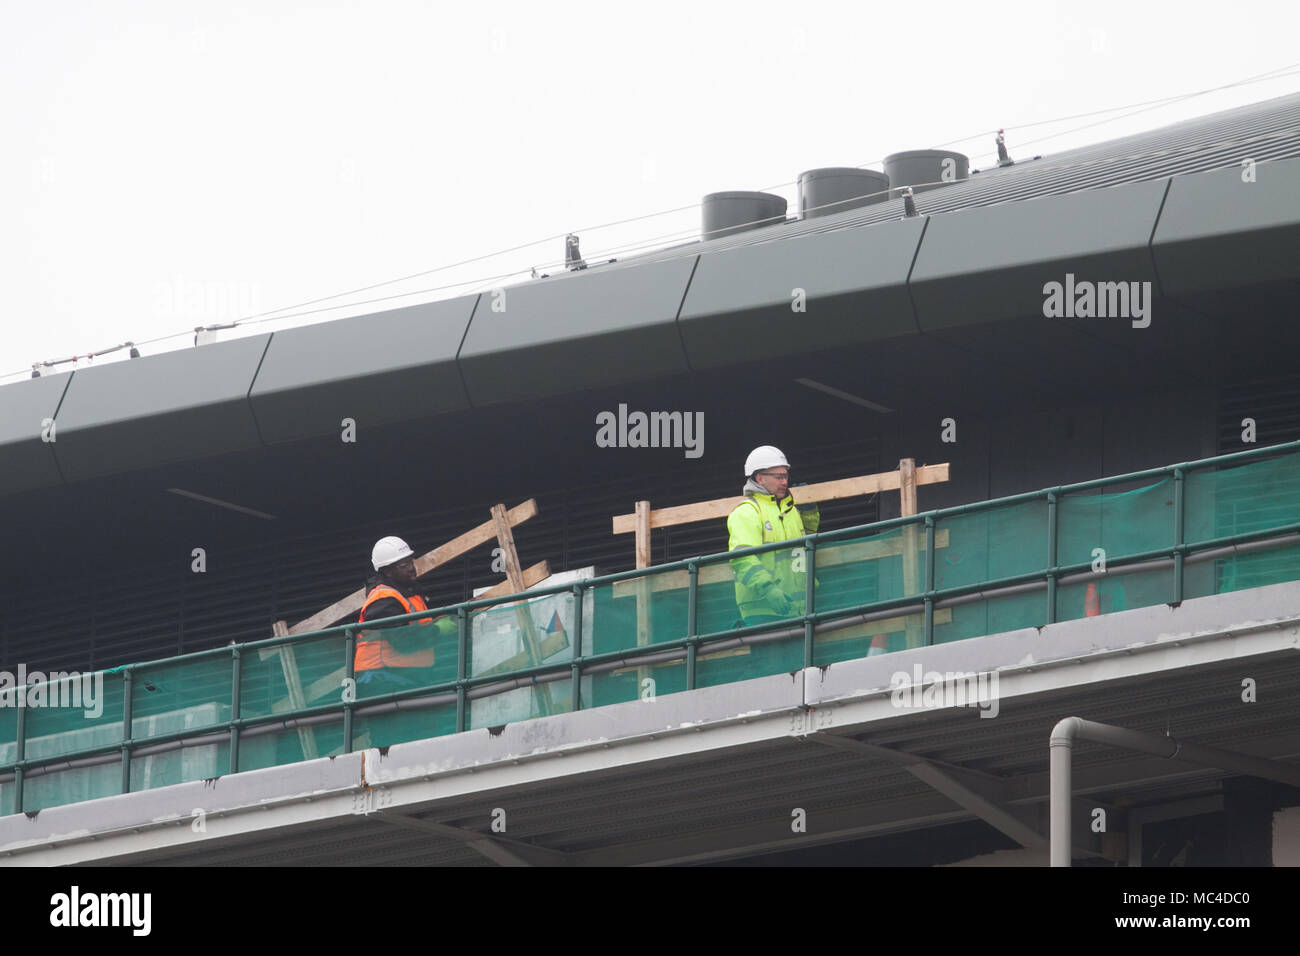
[761,519]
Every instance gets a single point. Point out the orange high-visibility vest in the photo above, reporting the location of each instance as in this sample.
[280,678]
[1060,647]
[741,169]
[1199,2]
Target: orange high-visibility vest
[375,652]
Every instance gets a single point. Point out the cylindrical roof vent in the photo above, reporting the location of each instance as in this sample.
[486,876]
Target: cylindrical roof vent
[732,212]
[925,169]
[824,192]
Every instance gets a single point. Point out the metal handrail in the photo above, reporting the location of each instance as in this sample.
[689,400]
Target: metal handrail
[464,687]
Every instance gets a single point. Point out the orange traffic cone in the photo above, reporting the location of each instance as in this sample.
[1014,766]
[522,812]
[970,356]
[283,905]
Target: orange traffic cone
[1091,603]
[879,645]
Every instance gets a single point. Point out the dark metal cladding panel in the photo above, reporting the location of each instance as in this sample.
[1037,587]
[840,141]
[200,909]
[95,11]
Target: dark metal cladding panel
[1219,230]
[26,459]
[602,326]
[191,403]
[385,367]
[1268,130]
[979,265]
[740,307]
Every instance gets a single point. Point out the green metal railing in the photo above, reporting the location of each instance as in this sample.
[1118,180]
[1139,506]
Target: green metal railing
[689,642]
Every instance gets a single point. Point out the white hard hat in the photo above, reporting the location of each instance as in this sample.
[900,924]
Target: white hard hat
[762,458]
[388,551]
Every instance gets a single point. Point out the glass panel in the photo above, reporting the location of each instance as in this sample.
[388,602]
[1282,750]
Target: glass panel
[8,729]
[1120,523]
[715,601]
[273,746]
[77,714]
[196,762]
[8,750]
[72,785]
[1251,497]
[759,657]
[1252,570]
[842,641]
[990,544]
[285,677]
[872,568]
[508,638]
[521,703]
[990,616]
[634,682]
[185,695]
[416,721]
[633,613]
[1117,591]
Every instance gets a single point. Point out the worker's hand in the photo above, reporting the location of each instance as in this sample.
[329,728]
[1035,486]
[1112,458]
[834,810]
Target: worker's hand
[777,600]
[809,514]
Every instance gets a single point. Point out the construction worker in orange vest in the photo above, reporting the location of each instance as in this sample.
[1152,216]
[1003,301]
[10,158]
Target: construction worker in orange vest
[380,664]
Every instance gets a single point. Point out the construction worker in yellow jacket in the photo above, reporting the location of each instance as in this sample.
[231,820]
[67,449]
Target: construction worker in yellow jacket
[772,585]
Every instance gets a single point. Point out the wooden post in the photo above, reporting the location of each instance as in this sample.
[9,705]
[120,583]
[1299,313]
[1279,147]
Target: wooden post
[515,575]
[644,621]
[642,534]
[911,551]
[293,681]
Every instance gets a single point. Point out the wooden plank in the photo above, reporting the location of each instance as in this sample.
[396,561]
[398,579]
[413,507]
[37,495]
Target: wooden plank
[830,555]
[454,548]
[515,576]
[506,541]
[642,516]
[293,681]
[533,574]
[331,615]
[332,681]
[473,538]
[806,494]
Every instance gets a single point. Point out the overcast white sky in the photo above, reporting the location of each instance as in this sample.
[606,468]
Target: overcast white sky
[167,165]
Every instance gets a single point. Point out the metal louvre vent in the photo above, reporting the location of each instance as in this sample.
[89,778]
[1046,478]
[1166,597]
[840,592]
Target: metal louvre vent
[1273,403]
[125,615]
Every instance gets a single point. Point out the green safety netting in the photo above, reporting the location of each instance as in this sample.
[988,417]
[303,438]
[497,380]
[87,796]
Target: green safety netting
[973,548]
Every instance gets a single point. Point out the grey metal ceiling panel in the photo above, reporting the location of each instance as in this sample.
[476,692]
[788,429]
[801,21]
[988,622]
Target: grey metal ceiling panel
[1219,230]
[139,413]
[26,459]
[980,265]
[576,332]
[740,306]
[372,368]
